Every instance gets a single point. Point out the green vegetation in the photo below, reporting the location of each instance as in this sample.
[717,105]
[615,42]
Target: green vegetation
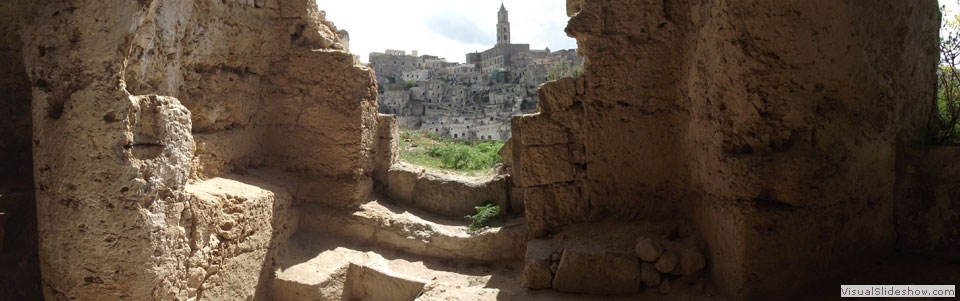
[463,157]
[485,214]
[947,129]
[564,69]
[409,85]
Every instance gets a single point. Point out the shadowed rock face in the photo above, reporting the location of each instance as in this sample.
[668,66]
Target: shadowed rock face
[20,274]
[771,125]
[136,104]
[171,138]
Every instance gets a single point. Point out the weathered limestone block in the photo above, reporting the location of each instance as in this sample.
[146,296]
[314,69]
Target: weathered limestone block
[108,187]
[650,275]
[226,152]
[689,262]
[648,249]
[542,165]
[541,131]
[445,194]
[403,182]
[598,272]
[236,225]
[114,149]
[558,96]
[372,283]
[454,197]
[536,270]
[668,261]
[387,150]
[549,206]
[315,127]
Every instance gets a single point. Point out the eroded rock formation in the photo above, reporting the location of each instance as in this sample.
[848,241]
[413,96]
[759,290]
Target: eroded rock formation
[146,112]
[771,125]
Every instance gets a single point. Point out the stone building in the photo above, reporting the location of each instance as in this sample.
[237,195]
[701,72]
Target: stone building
[491,86]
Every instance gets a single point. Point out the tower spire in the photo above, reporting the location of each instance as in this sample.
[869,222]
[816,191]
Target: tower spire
[503,26]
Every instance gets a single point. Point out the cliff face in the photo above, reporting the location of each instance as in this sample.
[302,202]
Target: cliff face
[139,107]
[771,125]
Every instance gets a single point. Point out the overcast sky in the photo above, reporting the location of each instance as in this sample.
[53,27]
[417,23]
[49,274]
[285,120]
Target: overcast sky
[446,28]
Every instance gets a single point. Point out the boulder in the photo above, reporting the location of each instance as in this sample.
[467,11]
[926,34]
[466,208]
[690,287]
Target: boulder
[668,261]
[648,250]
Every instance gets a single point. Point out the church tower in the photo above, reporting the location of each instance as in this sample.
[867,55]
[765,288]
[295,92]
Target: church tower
[503,27]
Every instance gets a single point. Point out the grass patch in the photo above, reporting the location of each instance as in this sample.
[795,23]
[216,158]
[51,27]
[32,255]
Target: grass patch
[485,214]
[471,158]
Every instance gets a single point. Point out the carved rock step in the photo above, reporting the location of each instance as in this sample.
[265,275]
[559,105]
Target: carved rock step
[414,232]
[316,267]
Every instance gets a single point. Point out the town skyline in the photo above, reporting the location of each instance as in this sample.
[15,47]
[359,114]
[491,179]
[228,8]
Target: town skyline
[447,29]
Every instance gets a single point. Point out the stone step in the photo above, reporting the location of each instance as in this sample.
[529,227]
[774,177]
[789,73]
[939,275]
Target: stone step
[318,267]
[416,232]
[447,194]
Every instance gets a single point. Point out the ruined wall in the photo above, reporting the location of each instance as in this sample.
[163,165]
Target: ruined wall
[750,119]
[166,132]
[802,123]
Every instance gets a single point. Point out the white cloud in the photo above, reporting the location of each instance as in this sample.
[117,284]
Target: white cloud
[446,28]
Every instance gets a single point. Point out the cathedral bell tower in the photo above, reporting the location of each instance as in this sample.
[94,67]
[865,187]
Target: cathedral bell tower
[503,27]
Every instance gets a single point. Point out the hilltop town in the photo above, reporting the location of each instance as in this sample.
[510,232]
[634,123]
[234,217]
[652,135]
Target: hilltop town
[472,100]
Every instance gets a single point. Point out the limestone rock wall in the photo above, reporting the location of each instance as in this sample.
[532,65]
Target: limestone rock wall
[154,123]
[799,120]
[20,275]
[928,200]
[749,119]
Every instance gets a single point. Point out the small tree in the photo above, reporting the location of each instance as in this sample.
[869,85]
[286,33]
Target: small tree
[948,81]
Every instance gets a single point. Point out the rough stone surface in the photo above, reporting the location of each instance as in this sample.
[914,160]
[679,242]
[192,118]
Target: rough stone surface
[445,194]
[536,270]
[650,275]
[402,182]
[928,202]
[549,206]
[665,287]
[455,197]
[542,165]
[597,272]
[372,283]
[387,151]
[749,119]
[648,250]
[163,142]
[689,262]
[128,199]
[552,132]
[408,230]
[19,270]
[668,261]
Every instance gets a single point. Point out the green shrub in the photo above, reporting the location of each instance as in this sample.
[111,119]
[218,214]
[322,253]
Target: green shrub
[485,214]
[463,156]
